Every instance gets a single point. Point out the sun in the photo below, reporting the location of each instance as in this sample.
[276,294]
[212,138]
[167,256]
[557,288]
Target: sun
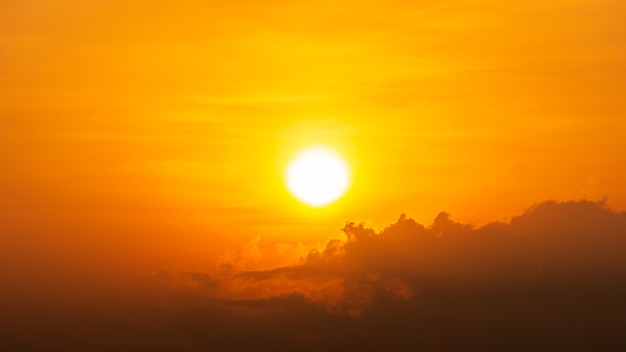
[317,176]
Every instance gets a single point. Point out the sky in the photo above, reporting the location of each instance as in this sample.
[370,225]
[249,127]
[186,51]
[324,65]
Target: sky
[143,146]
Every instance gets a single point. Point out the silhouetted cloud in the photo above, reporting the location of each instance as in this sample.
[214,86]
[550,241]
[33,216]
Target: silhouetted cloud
[550,279]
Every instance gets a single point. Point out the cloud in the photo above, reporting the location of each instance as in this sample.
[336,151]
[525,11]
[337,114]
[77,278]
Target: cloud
[572,244]
[550,279]
[558,263]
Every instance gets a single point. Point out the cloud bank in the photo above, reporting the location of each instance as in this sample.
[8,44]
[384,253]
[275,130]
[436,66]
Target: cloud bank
[552,278]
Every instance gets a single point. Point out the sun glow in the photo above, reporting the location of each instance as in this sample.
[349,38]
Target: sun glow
[317,176]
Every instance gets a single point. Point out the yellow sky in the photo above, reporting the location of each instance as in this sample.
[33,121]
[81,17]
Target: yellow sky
[159,131]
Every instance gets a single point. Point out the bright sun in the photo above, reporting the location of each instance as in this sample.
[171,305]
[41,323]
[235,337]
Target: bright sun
[317,176]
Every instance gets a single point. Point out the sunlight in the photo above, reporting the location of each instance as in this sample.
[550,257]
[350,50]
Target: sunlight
[317,176]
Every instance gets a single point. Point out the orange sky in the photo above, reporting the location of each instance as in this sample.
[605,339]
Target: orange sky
[142,134]
[143,145]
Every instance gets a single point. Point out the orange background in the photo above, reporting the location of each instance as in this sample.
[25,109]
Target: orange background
[137,135]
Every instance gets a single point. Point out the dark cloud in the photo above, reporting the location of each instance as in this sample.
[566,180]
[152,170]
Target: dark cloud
[550,279]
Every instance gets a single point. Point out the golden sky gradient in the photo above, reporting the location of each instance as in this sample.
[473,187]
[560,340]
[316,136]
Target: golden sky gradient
[137,135]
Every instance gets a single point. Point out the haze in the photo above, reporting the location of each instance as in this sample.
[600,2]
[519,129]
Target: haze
[143,146]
